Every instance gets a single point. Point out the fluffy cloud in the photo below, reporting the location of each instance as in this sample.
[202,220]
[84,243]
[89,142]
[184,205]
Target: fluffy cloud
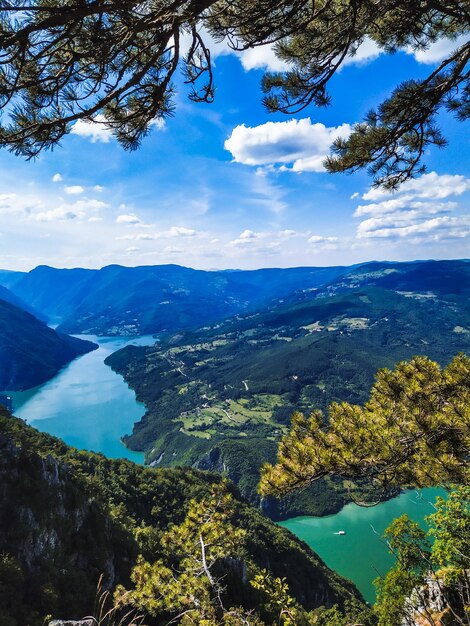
[297,143]
[437,51]
[368,51]
[430,185]
[251,242]
[98,132]
[129,219]
[42,207]
[179,231]
[95,131]
[261,57]
[287,234]
[74,190]
[319,239]
[416,211]
[172,233]
[435,229]
[56,178]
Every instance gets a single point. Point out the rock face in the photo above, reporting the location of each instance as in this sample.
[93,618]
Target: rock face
[55,538]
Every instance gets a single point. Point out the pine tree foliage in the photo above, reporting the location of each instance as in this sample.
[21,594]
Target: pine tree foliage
[189,585]
[414,431]
[114,63]
[429,583]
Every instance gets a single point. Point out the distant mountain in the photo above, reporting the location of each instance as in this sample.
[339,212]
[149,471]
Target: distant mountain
[120,300]
[54,292]
[220,398]
[9,278]
[30,352]
[8,296]
[438,278]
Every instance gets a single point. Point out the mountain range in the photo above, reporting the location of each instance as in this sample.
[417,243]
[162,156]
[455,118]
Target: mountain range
[221,397]
[118,300]
[238,351]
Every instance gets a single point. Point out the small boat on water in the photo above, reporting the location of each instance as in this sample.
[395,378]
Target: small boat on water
[340,532]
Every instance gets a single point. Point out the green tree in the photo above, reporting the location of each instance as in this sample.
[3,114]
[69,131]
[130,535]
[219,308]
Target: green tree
[184,585]
[189,584]
[429,583]
[114,63]
[414,431]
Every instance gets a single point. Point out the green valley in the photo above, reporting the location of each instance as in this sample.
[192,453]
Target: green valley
[221,397]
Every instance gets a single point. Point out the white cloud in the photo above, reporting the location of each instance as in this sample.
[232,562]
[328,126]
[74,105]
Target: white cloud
[262,57]
[95,131]
[405,202]
[61,214]
[74,190]
[95,219]
[179,231]
[98,188]
[43,207]
[416,211]
[248,234]
[287,234]
[131,250]
[298,143]
[129,218]
[319,239]
[430,185]
[172,233]
[98,132]
[438,51]
[173,250]
[57,178]
[247,239]
[368,51]
[158,123]
[435,229]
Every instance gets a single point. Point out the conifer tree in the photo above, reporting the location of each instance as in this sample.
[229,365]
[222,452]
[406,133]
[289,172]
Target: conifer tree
[414,431]
[114,63]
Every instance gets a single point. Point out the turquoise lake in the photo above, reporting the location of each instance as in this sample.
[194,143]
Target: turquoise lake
[87,404]
[91,407]
[361,554]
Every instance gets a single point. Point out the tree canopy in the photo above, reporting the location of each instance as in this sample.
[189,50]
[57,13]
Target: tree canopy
[114,63]
[429,582]
[413,431]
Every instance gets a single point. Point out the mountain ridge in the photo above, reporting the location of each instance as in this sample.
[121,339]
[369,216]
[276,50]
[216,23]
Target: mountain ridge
[30,352]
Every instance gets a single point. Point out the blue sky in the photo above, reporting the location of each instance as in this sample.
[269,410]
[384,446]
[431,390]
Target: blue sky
[228,185]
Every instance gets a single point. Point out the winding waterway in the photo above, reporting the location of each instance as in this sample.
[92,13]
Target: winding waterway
[87,404]
[91,407]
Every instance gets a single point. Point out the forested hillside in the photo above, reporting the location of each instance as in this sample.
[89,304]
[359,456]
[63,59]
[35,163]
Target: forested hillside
[30,352]
[222,397]
[67,517]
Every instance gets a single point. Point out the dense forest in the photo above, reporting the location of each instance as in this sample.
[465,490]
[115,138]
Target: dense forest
[68,518]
